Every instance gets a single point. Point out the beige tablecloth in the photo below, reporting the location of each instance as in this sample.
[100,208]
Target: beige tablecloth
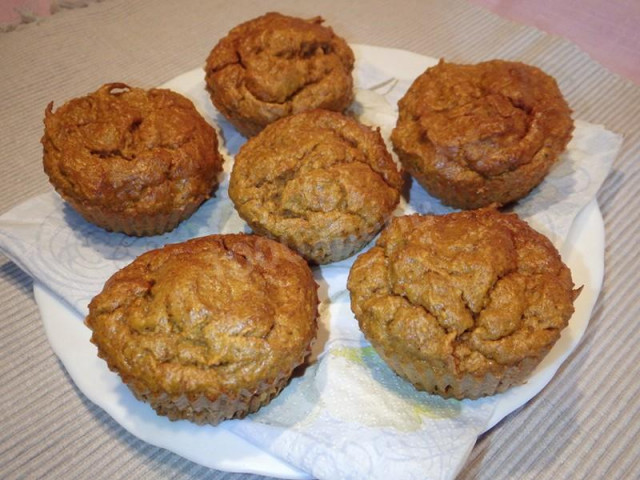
[584,424]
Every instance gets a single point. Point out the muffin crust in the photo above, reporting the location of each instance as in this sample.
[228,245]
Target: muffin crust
[276,65]
[462,305]
[477,135]
[318,181]
[208,329]
[129,159]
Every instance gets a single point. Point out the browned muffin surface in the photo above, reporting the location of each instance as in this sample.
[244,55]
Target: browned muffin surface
[129,159]
[318,181]
[276,65]
[207,329]
[462,305]
[476,135]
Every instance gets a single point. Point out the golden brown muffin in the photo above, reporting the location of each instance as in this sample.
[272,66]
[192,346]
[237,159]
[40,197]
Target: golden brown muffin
[131,160]
[477,135]
[274,66]
[462,305]
[318,181]
[209,329]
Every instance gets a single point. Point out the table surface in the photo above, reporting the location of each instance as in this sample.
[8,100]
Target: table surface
[584,424]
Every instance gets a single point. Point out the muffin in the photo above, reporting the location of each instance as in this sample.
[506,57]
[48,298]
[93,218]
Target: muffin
[484,134]
[318,181]
[276,65]
[131,160]
[462,305]
[209,329]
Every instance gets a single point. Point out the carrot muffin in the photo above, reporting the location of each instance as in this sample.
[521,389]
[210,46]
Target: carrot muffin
[462,305]
[131,160]
[477,135]
[209,329]
[274,66]
[318,181]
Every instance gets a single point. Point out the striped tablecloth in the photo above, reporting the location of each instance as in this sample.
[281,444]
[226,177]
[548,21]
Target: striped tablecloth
[584,424]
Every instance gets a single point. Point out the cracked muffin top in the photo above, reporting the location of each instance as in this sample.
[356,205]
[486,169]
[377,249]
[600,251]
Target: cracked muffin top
[213,316]
[130,153]
[468,297]
[319,181]
[276,65]
[476,135]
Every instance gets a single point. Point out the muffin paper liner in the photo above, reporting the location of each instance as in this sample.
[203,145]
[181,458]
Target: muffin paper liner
[447,385]
[327,251]
[140,226]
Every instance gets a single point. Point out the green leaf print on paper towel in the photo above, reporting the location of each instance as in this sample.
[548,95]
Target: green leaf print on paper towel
[352,384]
[406,405]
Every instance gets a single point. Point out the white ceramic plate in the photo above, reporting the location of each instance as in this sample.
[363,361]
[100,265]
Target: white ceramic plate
[217,447]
